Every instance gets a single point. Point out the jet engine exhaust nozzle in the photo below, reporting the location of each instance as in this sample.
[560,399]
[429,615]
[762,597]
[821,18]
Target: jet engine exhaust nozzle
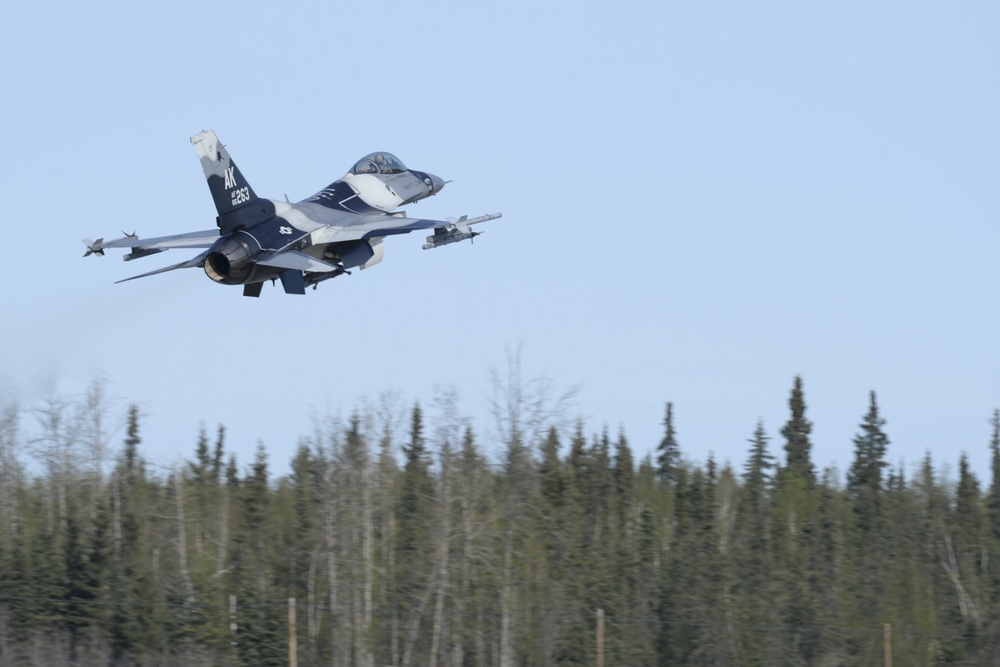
[230,264]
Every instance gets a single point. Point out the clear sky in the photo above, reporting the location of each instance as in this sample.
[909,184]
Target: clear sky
[701,200]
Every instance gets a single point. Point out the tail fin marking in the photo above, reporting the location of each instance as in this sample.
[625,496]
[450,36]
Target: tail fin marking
[235,201]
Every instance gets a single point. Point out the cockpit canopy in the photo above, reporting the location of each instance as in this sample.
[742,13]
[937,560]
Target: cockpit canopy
[379,163]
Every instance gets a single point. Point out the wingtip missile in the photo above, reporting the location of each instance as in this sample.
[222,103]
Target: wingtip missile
[97,247]
[94,247]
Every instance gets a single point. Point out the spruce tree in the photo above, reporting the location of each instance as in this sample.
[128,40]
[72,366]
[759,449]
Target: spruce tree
[624,470]
[219,454]
[796,433]
[415,451]
[132,440]
[867,535]
[756,476]
[131,625]
[796,544]
[865,476]
[753,548]
[413,515]
[260,631]
[966,495]
[550,470]
[668,457]
[200,468]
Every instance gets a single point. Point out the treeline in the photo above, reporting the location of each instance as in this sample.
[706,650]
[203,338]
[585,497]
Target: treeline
[403,542]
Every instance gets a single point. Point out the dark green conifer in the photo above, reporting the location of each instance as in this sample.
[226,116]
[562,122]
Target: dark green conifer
[668,457]
[624,469]
[414,451]
[132,440]
[202,464]
[413,520]
[870,448]
[796,433]
[550,470]
[132,627]
[756,473]
[219,453]
[967,493]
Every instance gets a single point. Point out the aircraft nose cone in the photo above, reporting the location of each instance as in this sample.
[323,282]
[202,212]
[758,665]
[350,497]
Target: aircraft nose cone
[437,183]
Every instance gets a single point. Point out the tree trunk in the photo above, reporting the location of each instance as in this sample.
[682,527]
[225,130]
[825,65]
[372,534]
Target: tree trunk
[367,658]
[331,566]
[182,535]
[506,641]
[415,618]
[442,587]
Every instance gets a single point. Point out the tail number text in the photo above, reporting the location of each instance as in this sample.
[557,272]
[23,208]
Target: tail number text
[241,196]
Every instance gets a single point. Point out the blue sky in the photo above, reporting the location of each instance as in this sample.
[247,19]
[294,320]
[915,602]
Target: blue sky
[701,200]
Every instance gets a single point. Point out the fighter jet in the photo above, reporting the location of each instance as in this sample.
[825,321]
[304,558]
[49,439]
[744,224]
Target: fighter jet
[339,228]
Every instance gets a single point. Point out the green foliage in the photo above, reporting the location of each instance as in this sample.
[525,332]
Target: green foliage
[668,457]
[426,551]
[796,433]
[865,477]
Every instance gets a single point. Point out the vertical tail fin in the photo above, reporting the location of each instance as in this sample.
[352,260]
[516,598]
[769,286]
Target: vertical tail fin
[236,202]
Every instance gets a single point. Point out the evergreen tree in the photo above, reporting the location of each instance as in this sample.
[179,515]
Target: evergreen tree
[967,498]
[624,470]
[691,604]
[413,522]
[601,475]
[202,465]
[669,452]
[219,454]
[795,540]
[578,460]
[796,433]
[260,631]
[756,476]
[132,440]
[493,562]
[79,594]
[550,470]
[865,477]
[134,634]
[753,544]
[868,538]
[415,450]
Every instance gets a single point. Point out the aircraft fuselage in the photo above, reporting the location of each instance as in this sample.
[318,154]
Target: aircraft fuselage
[339,228]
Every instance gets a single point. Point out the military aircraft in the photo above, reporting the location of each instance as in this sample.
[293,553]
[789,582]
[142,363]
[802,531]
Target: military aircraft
[339,228]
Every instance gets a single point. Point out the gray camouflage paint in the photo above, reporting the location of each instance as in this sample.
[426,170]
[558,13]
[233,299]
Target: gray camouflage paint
[337,229]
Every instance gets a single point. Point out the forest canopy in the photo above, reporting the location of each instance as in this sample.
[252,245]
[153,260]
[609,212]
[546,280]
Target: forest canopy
[395,539]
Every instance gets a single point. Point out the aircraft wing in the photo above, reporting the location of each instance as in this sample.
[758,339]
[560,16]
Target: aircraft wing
[195,261]
[375,226]
[203,239]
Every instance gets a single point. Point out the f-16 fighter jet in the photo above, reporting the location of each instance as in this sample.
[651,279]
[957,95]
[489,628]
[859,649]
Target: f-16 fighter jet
[341,227]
